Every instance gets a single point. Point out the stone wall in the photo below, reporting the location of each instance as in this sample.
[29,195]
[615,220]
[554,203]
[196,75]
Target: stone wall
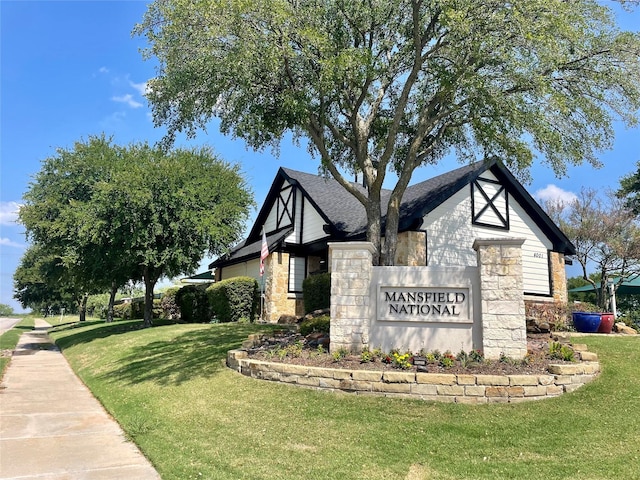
[351,268]
[458,388]
[411,250]
[278,300]
[502,300]
[558,278]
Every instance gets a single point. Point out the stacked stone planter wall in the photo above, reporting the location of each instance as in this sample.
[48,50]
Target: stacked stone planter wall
[443,387]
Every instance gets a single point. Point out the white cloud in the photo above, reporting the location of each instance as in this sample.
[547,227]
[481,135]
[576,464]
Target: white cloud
[142,88]
[555,194]
[103,70]
[9,213]
[113,121]
[6,242]
[128,99]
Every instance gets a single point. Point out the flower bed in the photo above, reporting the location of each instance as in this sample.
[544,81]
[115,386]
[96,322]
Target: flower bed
[459,386]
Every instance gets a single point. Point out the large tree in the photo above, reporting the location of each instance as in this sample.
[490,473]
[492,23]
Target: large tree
[606,236]
[385,86]
[114,214]
[164,211]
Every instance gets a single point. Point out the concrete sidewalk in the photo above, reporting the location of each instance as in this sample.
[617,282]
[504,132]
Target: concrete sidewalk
[51,426]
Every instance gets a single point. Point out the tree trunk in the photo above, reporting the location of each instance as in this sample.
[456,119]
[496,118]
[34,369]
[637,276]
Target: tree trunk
[150,280]
[374,227]
[82,307]
[112,299]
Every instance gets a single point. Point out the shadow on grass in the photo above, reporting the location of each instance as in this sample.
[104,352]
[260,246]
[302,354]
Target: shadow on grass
[86,335]
[195,354]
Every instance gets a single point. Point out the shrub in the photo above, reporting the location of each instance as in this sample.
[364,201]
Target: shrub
[233,299]
[316,324]
[193,303]
[168,305]
[316,292]
[122,310]
[556,314]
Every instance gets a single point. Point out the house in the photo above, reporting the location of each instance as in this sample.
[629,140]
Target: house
[440,219]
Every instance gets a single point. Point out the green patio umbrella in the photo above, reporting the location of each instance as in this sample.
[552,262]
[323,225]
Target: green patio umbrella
[627,287]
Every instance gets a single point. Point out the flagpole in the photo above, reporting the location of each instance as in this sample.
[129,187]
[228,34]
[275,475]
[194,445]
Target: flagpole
[264,253]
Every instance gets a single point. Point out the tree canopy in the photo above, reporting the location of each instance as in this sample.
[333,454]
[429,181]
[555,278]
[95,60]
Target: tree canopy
[606,236]
[390,85]
[114,214]
[630,190]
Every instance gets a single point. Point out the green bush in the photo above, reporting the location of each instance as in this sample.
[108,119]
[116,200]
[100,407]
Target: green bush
[317,324]
[316,292]
[169,307]
[193,303]
[234,299]
[122,310]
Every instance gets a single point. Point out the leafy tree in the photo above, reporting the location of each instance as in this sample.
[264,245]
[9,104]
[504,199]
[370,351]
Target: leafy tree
[630,190]
[114,214]
[41,282]
[59,213]
[390,85]
[5,310]
[165,210]
[606,236]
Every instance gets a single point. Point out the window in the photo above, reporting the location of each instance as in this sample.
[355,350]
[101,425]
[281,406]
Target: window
[297,273]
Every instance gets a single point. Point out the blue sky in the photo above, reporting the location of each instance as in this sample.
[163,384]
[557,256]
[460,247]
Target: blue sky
[70,69]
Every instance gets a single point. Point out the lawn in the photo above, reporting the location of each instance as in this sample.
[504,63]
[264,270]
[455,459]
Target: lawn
[194,418]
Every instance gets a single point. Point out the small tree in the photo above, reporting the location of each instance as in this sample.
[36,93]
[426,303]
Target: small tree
[606,236]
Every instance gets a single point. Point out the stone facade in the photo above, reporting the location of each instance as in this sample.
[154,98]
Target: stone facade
[502,300]
[558,278]
[411,250]
[351,269]
[277,299]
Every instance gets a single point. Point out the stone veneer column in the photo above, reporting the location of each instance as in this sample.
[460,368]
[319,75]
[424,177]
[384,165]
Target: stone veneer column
[502,297]
[558,278]
[351,267]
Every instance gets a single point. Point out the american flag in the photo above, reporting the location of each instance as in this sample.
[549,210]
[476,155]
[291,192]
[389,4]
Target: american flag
[264,253]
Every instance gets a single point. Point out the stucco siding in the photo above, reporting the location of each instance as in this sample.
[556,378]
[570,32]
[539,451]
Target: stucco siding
[450,236]
[244,269]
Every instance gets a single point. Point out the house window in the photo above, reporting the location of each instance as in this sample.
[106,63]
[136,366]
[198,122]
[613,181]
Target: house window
[489,204]
[297,273]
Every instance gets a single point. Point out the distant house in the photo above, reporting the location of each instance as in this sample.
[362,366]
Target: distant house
[440,218]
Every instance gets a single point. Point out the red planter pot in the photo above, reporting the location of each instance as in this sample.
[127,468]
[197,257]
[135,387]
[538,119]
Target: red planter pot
[606,323]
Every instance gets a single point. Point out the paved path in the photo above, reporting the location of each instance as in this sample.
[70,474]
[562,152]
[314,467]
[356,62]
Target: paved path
[7,324]
[51,426]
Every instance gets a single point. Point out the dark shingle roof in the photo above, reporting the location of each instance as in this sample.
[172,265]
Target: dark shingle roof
[347,218]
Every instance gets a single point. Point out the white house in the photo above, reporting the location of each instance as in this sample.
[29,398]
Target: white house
[440,219]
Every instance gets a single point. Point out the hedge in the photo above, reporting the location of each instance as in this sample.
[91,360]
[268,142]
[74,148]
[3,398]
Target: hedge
[234,299]
[193,304]
[316,292]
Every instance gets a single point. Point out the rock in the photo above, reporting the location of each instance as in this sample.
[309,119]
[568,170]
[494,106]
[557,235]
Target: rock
[287,320]
[621,327]
[317,313]
[535,325]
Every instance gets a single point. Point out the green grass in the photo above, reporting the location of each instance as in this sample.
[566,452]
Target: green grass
[194,418]
[9,340]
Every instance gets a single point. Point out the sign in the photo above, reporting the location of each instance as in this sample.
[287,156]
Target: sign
[424,304]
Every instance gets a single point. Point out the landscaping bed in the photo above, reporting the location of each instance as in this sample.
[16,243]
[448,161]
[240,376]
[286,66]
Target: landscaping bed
[295,349]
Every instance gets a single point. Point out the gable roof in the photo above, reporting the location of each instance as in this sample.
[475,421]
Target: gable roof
[347,219]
